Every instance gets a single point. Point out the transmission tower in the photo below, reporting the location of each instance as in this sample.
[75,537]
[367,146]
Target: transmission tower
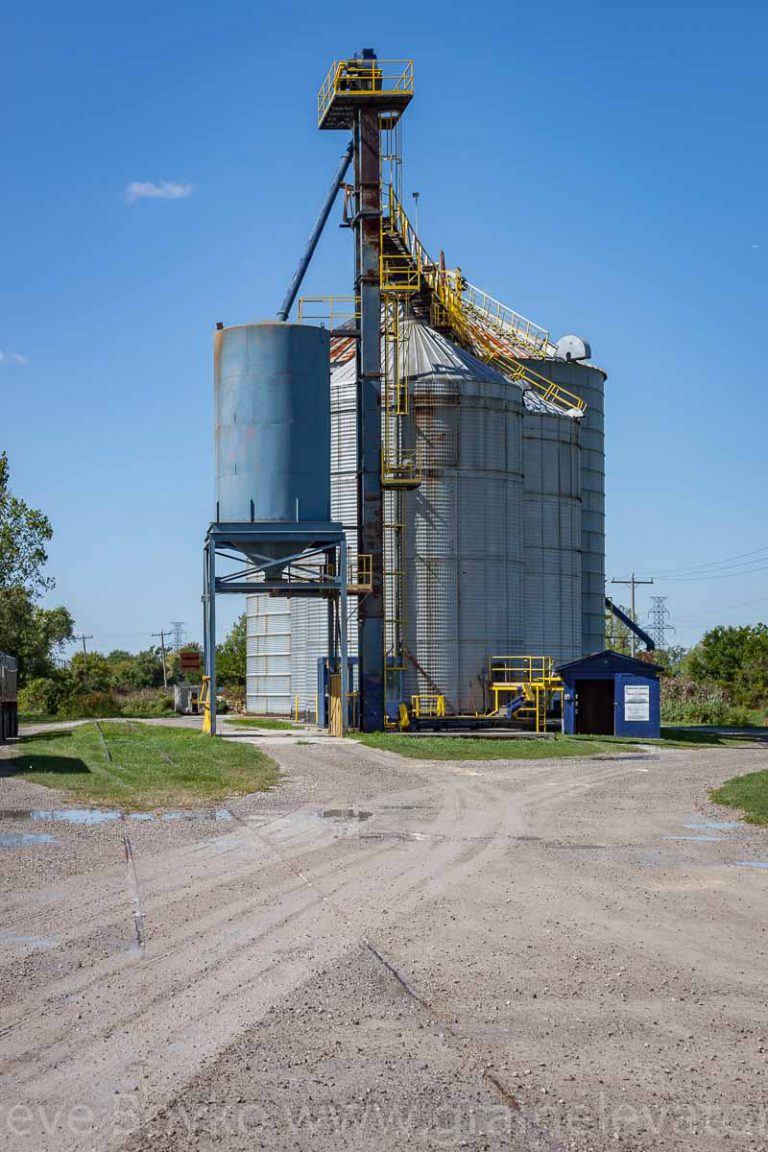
[658,621]
[177,631]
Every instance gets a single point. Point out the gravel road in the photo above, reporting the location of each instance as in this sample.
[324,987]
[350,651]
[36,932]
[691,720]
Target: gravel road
[392,954]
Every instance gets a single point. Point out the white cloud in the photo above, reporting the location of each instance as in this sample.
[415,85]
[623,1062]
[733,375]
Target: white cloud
[13,358]
[151,190]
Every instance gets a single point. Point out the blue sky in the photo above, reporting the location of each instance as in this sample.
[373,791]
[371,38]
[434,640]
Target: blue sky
[601,169]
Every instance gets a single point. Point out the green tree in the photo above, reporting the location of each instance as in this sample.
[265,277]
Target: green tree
[24,533]
[92,672]
[670,659]
[35,636]
[231,654]
[736,658]
[117,655]
[617,635]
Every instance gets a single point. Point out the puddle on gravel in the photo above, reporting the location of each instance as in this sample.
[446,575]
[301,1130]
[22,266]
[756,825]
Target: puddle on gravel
[393,835]
[752,863]
[193,814]
[716,825]
[25,839]
[701,839]
[92,816]
[74,815]
[42,942]
[345,814]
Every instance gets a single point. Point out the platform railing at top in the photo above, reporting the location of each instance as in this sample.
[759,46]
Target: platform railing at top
[365,78]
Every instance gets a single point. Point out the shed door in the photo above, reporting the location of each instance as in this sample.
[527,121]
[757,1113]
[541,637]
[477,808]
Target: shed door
[594,707]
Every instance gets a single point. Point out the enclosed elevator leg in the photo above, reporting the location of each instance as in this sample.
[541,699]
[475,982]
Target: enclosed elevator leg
[370,506]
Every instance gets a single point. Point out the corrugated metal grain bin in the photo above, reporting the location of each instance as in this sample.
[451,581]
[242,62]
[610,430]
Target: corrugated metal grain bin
[588,382]
[272,425]
[551,530]
[465,521]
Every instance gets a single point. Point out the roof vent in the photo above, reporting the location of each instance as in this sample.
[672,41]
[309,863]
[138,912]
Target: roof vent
[573,348]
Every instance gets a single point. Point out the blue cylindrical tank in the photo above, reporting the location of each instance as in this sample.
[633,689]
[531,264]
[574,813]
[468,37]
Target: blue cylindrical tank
[273,424]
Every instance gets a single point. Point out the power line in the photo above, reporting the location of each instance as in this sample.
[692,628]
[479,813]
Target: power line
[716,575]
[726,561]
[84,637]
[692,621]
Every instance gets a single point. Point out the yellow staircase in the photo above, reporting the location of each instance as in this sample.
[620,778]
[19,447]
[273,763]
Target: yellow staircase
[490,330]
[533,677]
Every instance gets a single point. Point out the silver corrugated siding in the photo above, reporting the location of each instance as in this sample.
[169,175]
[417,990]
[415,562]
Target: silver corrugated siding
[268,656]
[551,531]
[588,382]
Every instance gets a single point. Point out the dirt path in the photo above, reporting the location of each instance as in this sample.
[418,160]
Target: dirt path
[390,954]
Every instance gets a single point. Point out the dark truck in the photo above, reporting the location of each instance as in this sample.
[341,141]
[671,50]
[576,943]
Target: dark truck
[9,713]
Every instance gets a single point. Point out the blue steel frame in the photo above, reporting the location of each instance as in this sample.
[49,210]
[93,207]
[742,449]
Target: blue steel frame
[305,543]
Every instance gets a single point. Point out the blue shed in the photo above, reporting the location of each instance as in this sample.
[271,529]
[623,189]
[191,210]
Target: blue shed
[608,694]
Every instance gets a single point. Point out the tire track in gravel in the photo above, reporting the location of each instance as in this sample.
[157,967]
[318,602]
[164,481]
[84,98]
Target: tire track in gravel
[191,992]
[215,962]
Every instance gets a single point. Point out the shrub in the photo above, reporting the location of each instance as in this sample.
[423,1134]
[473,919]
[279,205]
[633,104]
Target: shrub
[232,697]
[40,697]
[684,701]
[146,702]
[89,705]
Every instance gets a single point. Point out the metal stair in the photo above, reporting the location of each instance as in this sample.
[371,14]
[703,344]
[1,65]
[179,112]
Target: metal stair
[487,328]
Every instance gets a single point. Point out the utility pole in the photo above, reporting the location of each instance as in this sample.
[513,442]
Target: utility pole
[632,583]
[161,634]
[83,637]
[658,619]
[177,626]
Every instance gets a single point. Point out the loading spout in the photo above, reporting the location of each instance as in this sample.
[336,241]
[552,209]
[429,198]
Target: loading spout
[641,634]
[309,251]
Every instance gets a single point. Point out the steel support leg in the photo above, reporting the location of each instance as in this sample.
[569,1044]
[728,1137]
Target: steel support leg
[343,634]
[209,629]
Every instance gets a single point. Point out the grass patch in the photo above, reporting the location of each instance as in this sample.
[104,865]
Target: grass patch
[137,766]
[261,722]
[749,793]
[682,738]
[476,748]
[479,748]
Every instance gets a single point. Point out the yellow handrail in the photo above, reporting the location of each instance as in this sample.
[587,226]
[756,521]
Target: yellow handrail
[428,705]
[489,329]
